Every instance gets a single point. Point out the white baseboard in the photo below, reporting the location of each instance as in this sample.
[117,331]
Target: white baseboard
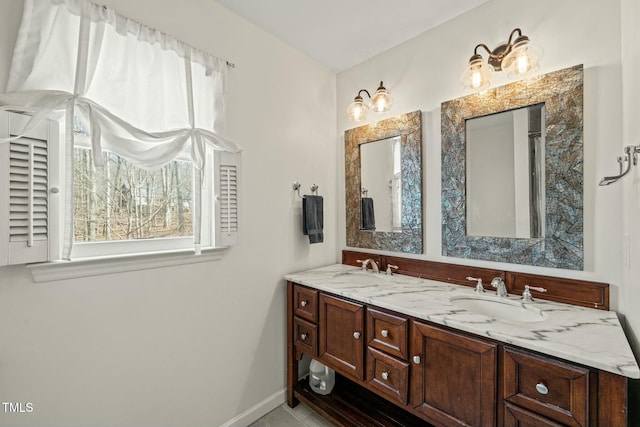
[257,410]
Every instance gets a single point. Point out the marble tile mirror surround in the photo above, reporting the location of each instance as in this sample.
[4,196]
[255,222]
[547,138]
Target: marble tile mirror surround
[561,244]
[409,128]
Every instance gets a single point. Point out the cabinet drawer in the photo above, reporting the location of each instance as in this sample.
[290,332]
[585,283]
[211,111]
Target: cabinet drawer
[388,375]
[556,390]
[305,303]
[305,336]
[518,417]
[387,332]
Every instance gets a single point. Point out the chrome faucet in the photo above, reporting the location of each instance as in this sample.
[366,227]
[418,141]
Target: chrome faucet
[374,265]
[501,288]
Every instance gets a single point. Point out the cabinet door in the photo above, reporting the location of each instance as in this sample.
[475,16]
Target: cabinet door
[453,377]
[342,336]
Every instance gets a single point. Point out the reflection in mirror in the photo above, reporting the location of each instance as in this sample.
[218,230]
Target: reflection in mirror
[505,173]
[381,185]
[557,238]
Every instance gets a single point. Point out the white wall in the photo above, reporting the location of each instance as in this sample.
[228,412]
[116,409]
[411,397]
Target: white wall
[194,345]
[425,71]
[631,136]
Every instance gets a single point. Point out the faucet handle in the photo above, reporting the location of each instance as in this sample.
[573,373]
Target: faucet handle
[479,288]
[364,263]
[389,267]
[526,294]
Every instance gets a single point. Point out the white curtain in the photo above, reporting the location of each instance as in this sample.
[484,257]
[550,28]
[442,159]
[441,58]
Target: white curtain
[142,94]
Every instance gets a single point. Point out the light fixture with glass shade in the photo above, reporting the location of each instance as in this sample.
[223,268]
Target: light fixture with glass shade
[519,57]
[380,102]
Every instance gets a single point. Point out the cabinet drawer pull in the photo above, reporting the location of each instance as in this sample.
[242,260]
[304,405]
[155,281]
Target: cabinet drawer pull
[385,376]
[416,360]
[384,333]
[541,388]
[303,303]
[356,335]
[303,337]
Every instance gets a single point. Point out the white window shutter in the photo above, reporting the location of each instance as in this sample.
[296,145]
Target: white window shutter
[24,190]
[226,202]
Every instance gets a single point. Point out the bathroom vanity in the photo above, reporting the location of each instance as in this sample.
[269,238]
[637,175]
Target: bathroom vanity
[417,347]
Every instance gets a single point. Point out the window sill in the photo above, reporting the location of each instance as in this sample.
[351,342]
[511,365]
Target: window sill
[60,270]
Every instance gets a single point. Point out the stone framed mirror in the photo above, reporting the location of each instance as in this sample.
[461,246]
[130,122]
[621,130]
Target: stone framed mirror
[383,184]
[548,169]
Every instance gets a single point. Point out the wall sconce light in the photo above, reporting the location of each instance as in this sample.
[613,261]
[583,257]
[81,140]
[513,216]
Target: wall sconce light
[380,103]
[520,58]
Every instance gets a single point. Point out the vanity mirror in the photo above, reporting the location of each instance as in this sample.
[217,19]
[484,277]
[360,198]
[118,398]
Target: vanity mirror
[506,199]
[523,202]
[383,184]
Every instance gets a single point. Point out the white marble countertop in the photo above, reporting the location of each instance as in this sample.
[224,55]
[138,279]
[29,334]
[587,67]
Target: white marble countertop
[583,335]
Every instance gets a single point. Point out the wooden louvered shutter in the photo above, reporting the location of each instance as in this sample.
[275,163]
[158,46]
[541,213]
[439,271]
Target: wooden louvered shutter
[226,206]
[24,193]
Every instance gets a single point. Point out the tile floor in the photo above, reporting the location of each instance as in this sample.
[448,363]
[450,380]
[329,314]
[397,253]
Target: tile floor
[283,416]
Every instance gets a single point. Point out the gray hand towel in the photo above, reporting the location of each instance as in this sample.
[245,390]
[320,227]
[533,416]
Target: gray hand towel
[368,215]
[312,218]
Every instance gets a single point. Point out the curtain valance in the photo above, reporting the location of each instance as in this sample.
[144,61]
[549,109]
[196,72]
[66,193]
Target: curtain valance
[133,81]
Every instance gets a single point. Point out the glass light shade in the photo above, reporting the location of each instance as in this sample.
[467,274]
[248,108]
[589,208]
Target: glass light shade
[381,100]
[357,111]
[477,76]
[523,59]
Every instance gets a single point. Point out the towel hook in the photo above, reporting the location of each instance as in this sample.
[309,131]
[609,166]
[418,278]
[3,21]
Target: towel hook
[314,189]
[296,187]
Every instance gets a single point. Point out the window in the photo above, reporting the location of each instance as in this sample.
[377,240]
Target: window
[141,164]
[120,201]
[118,208]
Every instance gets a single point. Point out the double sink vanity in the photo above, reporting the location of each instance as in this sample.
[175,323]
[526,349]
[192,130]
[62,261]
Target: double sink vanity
[433,344]
[425,347]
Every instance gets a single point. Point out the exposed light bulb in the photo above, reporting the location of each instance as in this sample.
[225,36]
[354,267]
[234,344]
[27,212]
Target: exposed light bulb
[357,111]
[381,101]
[476,79]
[477,75]
[523,63]
[523,59]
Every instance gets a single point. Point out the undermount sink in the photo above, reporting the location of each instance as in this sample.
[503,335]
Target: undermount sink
[499,308]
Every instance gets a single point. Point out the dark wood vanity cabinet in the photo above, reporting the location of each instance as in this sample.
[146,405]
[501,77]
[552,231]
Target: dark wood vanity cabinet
[434,375]
[453,378]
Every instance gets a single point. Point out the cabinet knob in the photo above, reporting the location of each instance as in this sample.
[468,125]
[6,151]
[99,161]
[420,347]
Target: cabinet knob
[416,360]
[384,333]
[303,303]
[385,376]
[303,337]
[356,335]
[541,388]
